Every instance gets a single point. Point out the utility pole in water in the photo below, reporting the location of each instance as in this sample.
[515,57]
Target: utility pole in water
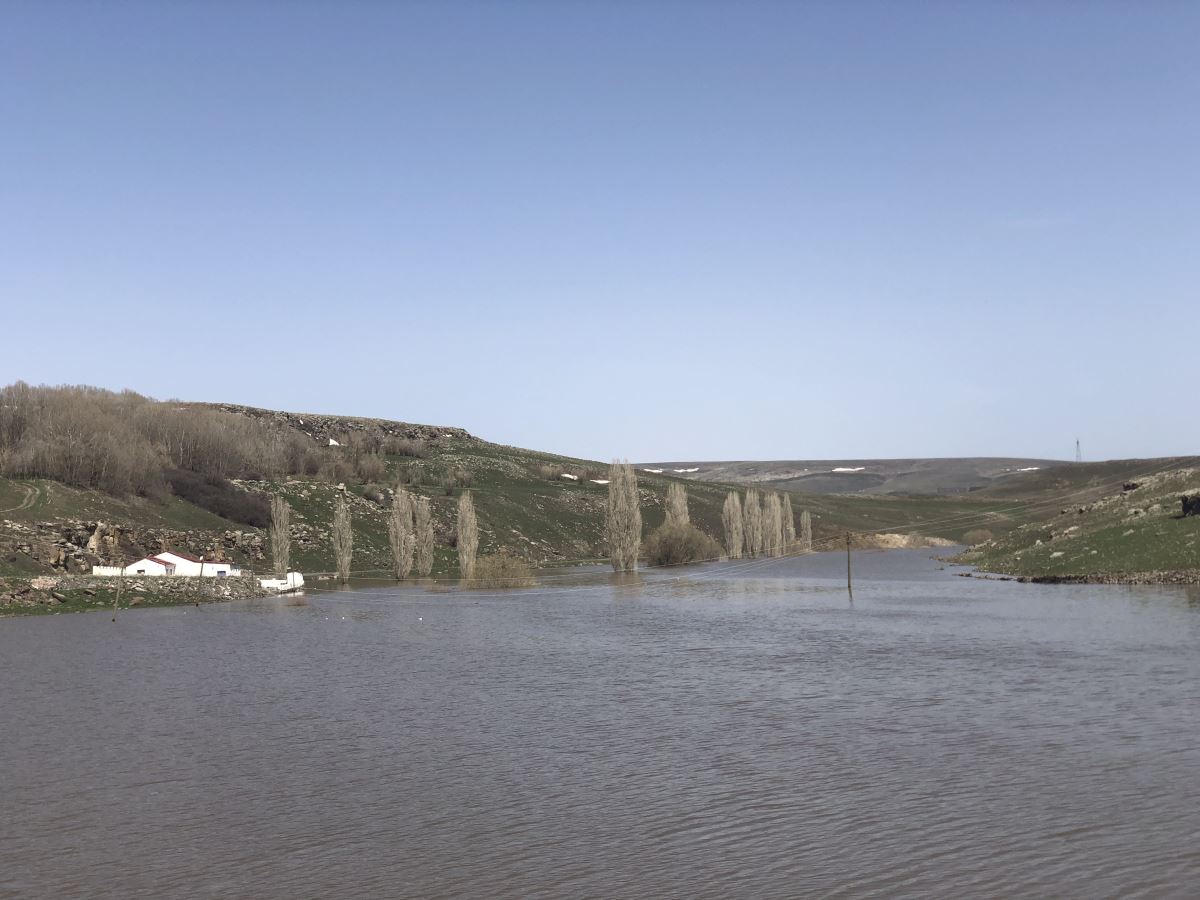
[849,583]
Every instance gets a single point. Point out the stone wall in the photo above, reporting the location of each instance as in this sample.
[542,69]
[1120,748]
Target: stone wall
[53,590]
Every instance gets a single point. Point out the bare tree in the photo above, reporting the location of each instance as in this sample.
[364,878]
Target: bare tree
[343,538]
[400,533]
[281,535]
[789,525]
[731,517]
[423,526]
[676,506]
[805,531]
[468,535]
[752,524]
[623,523]
[772,526]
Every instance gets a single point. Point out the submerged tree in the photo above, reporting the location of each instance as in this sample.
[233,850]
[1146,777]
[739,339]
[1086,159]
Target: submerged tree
[789,525]
[731,517]
[468,535]
[342,537]
[805,531]
[423,527]
[281,535]
[752,524]
[623,522]
[676,506]
[400,533]
[772,526]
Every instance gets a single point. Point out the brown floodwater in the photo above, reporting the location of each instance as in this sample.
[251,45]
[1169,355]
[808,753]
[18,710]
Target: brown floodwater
[741,730]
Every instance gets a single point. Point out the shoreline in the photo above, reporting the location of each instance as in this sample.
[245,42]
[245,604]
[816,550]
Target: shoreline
[1178,577]
[56,594]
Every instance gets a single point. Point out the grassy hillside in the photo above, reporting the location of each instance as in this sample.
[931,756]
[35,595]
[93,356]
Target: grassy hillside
[524,504]
[1117,520]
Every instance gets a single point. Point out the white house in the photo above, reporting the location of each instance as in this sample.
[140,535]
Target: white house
[190,565]
[170,563]
[150,565]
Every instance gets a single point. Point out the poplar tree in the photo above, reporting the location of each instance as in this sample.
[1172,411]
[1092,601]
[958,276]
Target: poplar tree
[343,538]
[805,531]
[468,535]
[400,533]
[281,537]
[423,526]
[623,521]
[772,526]
[752,524]
[731,518]
[677,505]
[789,524]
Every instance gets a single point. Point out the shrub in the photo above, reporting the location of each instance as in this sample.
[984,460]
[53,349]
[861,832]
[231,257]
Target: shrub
[219,496]
[405,447]
[502,570]
[455,479]
[376,493]
[977,536]
[336,471]
[371,467]
[673,544]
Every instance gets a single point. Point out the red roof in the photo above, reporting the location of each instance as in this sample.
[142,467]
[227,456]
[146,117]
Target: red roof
[154,559]
[184,556]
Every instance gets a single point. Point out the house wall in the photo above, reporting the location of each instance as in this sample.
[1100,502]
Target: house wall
[147,567]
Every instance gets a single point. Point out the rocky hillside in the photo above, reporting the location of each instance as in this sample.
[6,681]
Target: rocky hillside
[1120,521]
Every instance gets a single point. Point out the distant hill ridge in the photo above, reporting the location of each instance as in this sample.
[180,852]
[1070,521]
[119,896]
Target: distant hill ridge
[323,427]
[953,475]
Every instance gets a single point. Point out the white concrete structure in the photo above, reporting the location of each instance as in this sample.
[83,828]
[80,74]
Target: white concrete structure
[150,565]
[293,582]
[190,565]
[169,563]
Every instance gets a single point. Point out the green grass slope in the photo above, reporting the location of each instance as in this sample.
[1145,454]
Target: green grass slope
[1081,523]
[523,504]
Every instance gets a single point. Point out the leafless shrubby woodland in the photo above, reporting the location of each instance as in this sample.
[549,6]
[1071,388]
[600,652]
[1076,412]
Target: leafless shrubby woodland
[128,444]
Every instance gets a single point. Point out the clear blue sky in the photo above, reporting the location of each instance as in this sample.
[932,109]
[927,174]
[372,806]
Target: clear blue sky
[654,230]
